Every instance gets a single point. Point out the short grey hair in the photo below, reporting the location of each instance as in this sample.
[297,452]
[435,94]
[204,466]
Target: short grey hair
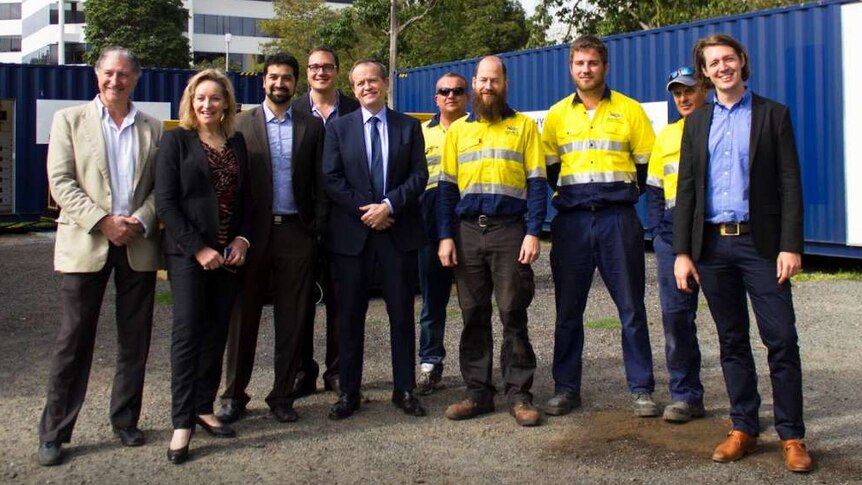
[123,52]
[384,73]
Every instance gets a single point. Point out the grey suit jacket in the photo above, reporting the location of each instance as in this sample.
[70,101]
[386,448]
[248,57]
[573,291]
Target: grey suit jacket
[80,183]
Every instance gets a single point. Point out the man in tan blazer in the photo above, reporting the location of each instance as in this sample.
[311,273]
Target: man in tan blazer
[101,162]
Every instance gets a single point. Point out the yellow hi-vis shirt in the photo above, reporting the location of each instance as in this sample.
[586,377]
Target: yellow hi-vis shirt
[435,136]
[493,169]
[594,162]
[662,178]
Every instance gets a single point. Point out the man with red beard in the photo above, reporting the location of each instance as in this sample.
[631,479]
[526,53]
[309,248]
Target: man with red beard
[597,144]
[492,203]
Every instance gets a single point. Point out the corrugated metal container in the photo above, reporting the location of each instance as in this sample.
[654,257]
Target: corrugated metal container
[23,85]
[796,59]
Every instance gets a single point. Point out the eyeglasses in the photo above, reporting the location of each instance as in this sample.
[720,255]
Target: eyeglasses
[321,67]
[682,71]
[447,91]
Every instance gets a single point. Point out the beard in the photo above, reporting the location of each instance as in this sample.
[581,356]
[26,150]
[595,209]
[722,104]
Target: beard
[492,110]
[279,97]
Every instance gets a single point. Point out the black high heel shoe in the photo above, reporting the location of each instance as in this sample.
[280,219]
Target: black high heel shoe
[223,431]
[179,456]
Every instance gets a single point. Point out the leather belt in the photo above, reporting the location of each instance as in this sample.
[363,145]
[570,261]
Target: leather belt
[732,228]
[484,221]
[279,219]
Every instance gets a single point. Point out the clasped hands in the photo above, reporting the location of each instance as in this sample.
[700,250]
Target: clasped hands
[210,259]
[377,216]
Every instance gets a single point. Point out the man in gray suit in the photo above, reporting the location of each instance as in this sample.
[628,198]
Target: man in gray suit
[101,172]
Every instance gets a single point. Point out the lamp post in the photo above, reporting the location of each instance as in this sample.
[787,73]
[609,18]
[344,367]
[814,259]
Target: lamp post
[227,39]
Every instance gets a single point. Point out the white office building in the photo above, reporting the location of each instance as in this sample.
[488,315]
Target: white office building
[30,30]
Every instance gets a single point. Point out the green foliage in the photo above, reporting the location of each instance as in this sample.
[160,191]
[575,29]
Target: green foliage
[215,63]
[605,323]
[152,29]
[608,17]
[297,26]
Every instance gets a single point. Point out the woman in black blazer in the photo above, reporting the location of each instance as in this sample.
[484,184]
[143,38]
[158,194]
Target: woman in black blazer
[203,201]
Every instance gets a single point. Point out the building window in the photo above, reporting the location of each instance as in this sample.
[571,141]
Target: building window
[222,24]
[74,13]
[48,54]
[10,43]
[10,11]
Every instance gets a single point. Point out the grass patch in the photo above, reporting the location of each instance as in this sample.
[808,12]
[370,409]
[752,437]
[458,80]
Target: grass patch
[839,275]
[164,297]
[606,323]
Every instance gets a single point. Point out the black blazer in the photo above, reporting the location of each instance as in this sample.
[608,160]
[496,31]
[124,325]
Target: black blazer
[346,104]
[348,181]
[186,199]
[775,186]
[308,193]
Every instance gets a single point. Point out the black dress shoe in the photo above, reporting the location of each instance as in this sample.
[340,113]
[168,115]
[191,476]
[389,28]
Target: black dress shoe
[230,413]
[305,384]
[130,436]
[344,407]
[50,453]
[178,456]
[284,413]
[223,431]
[408,402]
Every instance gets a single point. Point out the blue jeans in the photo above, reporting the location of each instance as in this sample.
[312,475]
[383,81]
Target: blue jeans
[611,239]
[730,268]
[678,311]
[435,282]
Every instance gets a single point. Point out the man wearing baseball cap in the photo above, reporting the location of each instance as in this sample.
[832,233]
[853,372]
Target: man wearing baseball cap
[678,309]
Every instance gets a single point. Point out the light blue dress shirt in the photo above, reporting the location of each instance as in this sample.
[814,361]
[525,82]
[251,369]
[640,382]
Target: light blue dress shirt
[727,177]
[279,133]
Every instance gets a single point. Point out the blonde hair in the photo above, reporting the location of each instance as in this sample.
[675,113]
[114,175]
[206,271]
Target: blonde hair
[189,120]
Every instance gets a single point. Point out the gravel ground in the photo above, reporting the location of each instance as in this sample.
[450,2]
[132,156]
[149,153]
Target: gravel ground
[599,443]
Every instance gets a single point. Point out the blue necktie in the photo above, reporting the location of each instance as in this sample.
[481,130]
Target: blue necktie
[376,160]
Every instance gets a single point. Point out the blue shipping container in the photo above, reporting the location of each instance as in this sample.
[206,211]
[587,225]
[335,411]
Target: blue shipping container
[799,57]
[29,93]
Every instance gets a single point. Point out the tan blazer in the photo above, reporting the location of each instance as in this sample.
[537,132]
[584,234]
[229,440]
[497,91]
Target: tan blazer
[79,181]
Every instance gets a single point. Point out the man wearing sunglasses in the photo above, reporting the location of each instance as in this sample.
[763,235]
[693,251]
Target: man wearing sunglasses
[597,144]
[435,281]
[678,309]
[739,217]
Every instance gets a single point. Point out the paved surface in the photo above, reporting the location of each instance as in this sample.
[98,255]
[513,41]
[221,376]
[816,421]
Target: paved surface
[599,443]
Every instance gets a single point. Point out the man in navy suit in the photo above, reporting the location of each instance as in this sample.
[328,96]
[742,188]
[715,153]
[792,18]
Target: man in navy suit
[374,170]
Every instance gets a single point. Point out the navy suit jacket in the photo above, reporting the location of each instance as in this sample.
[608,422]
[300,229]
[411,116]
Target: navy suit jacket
[347,180]
[775,186]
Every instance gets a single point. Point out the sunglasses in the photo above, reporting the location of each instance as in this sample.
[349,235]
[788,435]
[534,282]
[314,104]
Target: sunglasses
[446,91]
[682,71]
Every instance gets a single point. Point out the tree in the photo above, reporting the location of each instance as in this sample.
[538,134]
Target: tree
[152,29]
[608,17]
[297,26]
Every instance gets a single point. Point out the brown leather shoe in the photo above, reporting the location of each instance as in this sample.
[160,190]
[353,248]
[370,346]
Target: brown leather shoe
[526,414]
[737,445]
[467,409]
[796,456]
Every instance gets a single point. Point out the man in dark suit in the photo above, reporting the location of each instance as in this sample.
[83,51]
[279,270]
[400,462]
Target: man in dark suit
[739,217]
[374,171]
[284,149]
[326,102]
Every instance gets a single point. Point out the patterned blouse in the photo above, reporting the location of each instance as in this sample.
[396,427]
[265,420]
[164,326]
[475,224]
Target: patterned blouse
[224,170]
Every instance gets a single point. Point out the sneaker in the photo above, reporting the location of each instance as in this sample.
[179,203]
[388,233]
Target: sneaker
[683,412]
[467,409]
[526,414]
[562,403]
[429,379]
[643,405]
[49,454]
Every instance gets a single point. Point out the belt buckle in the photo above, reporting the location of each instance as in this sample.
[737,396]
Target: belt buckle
[725,229]
[277,219]
[483,221]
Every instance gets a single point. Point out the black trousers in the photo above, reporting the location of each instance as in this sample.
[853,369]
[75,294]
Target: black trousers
[202,305]
[308,365]
[488,263]
[285,263]
[354,278]
[81,295]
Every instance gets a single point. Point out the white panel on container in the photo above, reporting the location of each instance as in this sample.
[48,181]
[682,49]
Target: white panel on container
[45,109]
[851,38]
[7,156]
